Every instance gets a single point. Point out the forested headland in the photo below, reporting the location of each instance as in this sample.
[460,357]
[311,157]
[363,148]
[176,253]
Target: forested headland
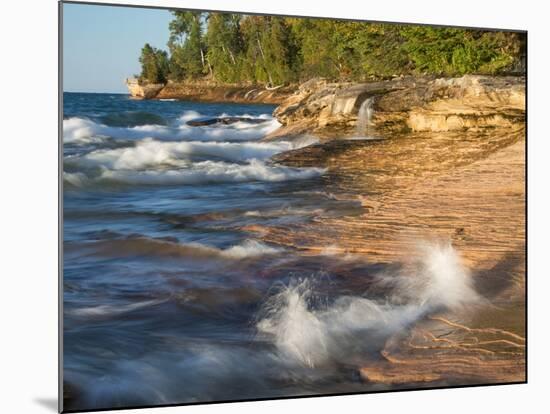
[240,49]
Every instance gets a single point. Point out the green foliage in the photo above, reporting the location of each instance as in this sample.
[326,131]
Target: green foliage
[225,46]
[277,51]
[186,45]
[452,51]
[154,64]
[270,50]
[381,50]
[270,53]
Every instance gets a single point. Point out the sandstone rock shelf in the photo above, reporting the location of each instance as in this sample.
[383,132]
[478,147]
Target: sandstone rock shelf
[404,104]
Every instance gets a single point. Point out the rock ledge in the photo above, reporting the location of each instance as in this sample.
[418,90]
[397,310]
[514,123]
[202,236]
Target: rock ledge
[404,104]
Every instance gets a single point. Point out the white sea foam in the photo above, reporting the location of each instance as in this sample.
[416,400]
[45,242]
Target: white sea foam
[437,280]
[151,161]
[114,309]
[250,248]
[149,153]
[189,115]
[284,211]
[80,130]
[76,179]
[160,247]
[210,172]
[308,331]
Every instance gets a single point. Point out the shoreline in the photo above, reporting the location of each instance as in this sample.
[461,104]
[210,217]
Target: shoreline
[210,92]
[420,191]
[448,168]
[463,186]
[404,104]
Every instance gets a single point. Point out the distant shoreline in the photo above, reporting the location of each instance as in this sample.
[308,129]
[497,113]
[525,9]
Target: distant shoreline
[210,92]
[99,93]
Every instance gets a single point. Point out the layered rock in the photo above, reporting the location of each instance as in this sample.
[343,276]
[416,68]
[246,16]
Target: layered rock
[224,120]
[461,187]
[404,104]
[140,90]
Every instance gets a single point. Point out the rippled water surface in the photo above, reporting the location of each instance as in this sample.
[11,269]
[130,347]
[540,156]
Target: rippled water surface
[196,269]
[163,285]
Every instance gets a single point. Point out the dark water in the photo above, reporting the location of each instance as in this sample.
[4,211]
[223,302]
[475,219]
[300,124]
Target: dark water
[168,297]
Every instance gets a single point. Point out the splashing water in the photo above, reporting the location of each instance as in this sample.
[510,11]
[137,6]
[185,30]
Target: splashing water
[312,332]
[364,117]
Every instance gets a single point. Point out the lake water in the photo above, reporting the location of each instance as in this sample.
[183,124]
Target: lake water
[168,297]
[172,293]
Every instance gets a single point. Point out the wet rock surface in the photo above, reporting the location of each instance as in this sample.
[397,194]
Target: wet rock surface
[227,120]
[463,187]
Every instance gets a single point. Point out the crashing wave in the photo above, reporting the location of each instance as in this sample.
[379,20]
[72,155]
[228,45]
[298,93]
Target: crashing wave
[209,172]
[308,330]
[147,246]
[82,131]
[150,153]
[151,161]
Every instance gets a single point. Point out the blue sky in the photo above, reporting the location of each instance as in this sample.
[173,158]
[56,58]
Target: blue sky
[101,44]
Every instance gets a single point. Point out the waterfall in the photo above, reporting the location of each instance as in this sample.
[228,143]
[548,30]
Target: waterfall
[364,117]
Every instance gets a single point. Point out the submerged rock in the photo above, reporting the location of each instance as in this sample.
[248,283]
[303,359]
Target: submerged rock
[404,104]
[225,120]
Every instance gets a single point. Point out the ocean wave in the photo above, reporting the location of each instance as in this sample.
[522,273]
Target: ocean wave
[75,179]
[170,163]
[250,248]
[132,118]
[210,172]
[308,329]
[284,211]
[150,153]
[82,131]
[189,115]
[114,309]
[147,246]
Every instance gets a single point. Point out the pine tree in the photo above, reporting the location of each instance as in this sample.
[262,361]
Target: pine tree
[154,64]
[273,50]
[187,46]
[225,46]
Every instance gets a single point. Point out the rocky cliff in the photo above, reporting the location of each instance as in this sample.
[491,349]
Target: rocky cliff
[403,104]
[140,90]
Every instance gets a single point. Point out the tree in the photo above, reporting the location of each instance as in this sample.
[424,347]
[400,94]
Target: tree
[326,47]
[225,46]
[154,64]
[380,49]
[186,44]
[452,51]
[272,50]
[280,51]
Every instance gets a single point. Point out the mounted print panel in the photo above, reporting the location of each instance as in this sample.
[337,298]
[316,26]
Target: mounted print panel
[259,207]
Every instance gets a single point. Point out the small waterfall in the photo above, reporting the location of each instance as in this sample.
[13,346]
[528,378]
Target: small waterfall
[364,117]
